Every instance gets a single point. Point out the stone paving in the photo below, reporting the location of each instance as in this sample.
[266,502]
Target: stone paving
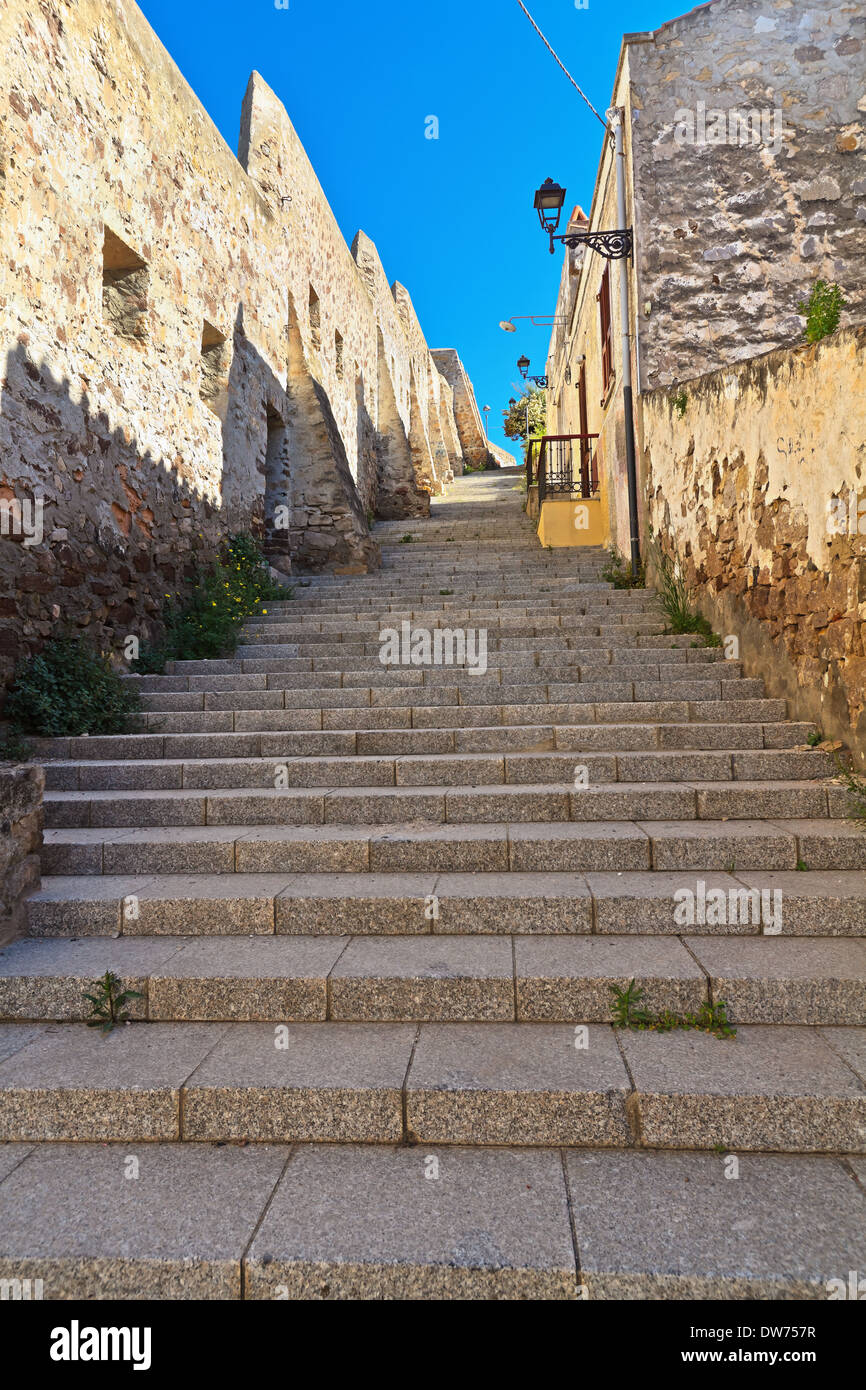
[376,915]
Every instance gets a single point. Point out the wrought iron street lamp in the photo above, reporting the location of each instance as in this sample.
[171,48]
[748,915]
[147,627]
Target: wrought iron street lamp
[523,368]
[549,200]
[614,246]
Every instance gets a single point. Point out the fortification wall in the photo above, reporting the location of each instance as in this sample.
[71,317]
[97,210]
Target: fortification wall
[187,345]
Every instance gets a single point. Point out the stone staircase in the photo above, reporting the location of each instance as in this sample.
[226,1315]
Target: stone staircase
[375,915]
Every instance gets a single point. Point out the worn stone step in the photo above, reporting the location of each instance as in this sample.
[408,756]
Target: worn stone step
[327,687]
[784,1089]
[427,716]
[696,847]
[462,804]
[496,738]
[475,769]
[425,978]
[321,882]
[362,979]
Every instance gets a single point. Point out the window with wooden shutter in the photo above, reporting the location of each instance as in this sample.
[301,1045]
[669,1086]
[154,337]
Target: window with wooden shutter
[605,327]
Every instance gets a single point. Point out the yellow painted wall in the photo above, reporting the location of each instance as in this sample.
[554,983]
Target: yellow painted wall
[572,521]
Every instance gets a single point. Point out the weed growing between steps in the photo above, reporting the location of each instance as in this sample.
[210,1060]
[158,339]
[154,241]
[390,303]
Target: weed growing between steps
[856,787]
[677,600]
[206,625]
[618,572]
[69,689]
[109,1003]
[629,1012]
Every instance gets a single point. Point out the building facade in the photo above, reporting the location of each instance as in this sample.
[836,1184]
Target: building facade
[745,131]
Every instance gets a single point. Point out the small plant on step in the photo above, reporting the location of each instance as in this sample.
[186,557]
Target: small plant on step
[206,622]
[822,310]
[814,738]
[712,1018]
[446,591]
[676,600]
[628,1012]
[109,1003]
[856,787]
[618,572]
[407,539]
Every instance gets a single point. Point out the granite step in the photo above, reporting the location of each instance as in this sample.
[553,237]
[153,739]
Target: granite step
[788,1089]
[455,804]
[491,738]
[697,847]
[350,882]
[681,708]
[477,769]
[438,978]
[342,1221]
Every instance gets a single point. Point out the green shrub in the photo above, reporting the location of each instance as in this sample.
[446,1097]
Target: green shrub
[69,689]
[13,748]
[676,599]
[680,403]
[206,624]
[618,572]
[823,310]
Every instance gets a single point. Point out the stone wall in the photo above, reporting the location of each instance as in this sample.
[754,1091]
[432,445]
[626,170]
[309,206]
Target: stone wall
[760,489]
[469,425]
[187,345]
[21,819]
[729,236]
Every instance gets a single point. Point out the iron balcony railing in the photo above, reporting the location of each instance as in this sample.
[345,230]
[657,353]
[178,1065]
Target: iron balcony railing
[563,465]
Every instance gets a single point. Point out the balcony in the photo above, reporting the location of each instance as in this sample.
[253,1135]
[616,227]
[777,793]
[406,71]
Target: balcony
[563,489]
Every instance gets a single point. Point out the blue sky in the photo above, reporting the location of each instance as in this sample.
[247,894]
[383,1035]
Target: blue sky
[453,217]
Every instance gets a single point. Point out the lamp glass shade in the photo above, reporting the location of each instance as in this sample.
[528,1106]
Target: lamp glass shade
[523,365]
[549,202]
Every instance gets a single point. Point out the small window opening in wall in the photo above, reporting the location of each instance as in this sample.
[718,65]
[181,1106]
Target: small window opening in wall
[124,288]
[338,348]
[315,322]
[214,367]
[277,485]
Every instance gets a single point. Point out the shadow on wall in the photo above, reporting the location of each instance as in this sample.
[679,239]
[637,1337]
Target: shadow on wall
[95,529]
[328,518]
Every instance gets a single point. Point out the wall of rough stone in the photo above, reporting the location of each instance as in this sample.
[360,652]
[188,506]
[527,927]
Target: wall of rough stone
[759,488]
[21,821]
[731,235]
[470,428]
[187,345]
[729,238]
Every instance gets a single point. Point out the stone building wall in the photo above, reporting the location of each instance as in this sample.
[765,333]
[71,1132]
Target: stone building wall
[728,237]
[759,489]
[187,345]
[732,235]
[21,821]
